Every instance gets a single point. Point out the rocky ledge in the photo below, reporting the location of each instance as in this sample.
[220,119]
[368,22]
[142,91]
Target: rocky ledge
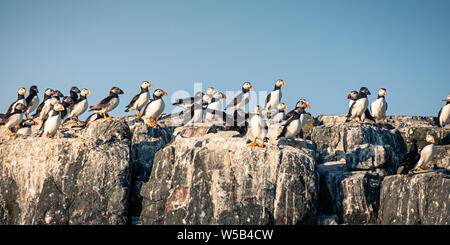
[121,171]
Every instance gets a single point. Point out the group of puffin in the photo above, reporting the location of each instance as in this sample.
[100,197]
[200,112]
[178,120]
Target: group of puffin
[56,109]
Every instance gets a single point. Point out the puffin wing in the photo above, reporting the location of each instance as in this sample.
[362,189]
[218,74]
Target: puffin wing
[236,100]
[101,105]
[290,114]
[135,98]
[439,114]
[368,115]
[268,98]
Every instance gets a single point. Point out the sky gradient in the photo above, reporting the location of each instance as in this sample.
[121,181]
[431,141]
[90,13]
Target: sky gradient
[323,49]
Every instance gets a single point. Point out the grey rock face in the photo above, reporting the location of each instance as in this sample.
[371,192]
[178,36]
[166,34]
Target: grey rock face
[422,199]
[219,179]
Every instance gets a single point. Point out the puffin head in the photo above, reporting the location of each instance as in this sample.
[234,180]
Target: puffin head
[364,90]
[146,84]
[22,91]
[75,89]
[116,90]
[48,92]
[29,123]
[430,139]
[247,86]
[448,98]
[279,83]
[58,107]
[352,95]
[68,100]
[382,92]
[34,89]
[210,91]
[85,92]
[303,104]
[159,93]
[282,107]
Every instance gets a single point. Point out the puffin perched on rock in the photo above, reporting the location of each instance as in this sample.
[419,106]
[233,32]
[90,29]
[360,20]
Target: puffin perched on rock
[281,115]
[52,123]
[14,118]
[140,100]
[410,159]
[188,102]
[259,128]
[32,101]
[20,100]
[294,122]
[214,103]
[427,154]
[242,98]
[74,91]
[47,95]
[444,113]
[109,103]
[358,109]
[79,107]
[274,98]
[42,114]
[154,108]
[379,106]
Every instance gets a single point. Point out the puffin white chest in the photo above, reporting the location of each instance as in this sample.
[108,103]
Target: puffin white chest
[444,118]
[24,131]
[79,108]
[142,100]
[52,124]
[258,127]
[14,120]
[155,108]
[359,107]
[113,103]
[379,108]
[293,129]
[33,104]
[427,154]
[279,117]
[275,97]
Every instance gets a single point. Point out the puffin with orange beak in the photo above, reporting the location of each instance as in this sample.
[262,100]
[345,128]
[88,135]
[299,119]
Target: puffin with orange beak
[20,100]
[109,103]
[242,98]
[52,123]
[294,122]
[140,100]
[214,102]
[274,98]
[258,128]
[154,108]
[444,113]
[379,106]
[79,107]
[427,154]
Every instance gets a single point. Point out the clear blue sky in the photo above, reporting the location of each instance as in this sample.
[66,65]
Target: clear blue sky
[321,48]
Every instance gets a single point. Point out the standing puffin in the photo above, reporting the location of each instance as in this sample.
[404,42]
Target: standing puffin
[67,102]
[427,154]
[214,103]
[281,115]
[352,97]
[47,95]
[274,98]
[109,103]
[379,106]
[47,107]
[140,100]
[295,121]
[14,118]
[258,128]
[32,101]
[409,159]
[359,107]
[154,108]
[52,123]
[20,100]
[242,98]
[444,113]
[79,107]
[188,102]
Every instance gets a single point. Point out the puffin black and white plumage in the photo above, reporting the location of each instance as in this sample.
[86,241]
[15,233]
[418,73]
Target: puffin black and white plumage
[194,114]
[52,123]
[280,116]
[214,103]
[242,98]
[259,128]
[79,107]
[32,101]
[188,102]
[426,154]
[410,159]
[25,127]
[67,102]
[74,91]
[47,95]
[109,103]
[359,108]
[294,122]
[379,106]
[274,98]
[444,113]
[154,108]
[140,100]
[14,118]
[20,100]
[42,114]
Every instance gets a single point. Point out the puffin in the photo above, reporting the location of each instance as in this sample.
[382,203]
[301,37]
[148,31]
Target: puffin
[20,100]
[140,100]
[74,91]
[274,98]
[32,101]
[410,159]
[188,102]
[242,98]
[47,95]
[281,115]
[352,97]
[427,154]
[294,122]
[14,118]
[42,114]
[67,102]
[79,107]
[25,127]
[359,107]
[259,128]
[444,114]
[214,103]
[91,118]
[51,124]
[109,103]
[154,108]
[379,106]
[194,114]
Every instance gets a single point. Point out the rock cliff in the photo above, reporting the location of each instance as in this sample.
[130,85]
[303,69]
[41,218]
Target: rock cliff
[121,171]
